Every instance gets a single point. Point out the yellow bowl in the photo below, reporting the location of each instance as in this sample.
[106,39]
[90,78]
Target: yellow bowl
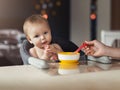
[68,57]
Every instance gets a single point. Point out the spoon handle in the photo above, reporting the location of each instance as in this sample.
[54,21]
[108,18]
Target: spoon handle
[83,45]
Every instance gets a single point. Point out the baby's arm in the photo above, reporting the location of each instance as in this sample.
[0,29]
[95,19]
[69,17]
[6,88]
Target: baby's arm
[48,53]
[40,53]
[56,48]
[32,52]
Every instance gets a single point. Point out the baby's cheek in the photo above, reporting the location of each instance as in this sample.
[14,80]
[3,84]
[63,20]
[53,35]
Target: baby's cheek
[38,45]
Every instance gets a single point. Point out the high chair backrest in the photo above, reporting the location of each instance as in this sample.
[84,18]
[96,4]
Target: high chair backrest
[28,59]
[24,51]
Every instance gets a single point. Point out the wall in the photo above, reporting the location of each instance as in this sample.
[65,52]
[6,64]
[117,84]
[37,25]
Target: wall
[80,21]
[104,16]
[13,13]
[80,26]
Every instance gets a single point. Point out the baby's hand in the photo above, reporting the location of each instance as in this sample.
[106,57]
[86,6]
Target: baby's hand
[50,52]
[54,57]
[47,52]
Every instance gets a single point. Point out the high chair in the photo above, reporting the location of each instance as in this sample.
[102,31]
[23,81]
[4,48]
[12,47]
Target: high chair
[66,45]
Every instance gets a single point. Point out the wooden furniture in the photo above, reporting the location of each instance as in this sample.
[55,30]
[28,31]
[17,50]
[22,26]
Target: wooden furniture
[115,15]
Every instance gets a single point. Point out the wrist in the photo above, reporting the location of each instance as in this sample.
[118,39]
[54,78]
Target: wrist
[107,51]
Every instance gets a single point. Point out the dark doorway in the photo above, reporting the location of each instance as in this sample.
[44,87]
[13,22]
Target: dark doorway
[58,12]
[115,14]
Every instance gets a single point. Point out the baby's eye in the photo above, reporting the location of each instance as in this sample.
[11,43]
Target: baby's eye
[45,32]
[36,36]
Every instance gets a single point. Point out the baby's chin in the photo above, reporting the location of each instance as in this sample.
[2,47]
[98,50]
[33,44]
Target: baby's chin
[40,46]
[44,46]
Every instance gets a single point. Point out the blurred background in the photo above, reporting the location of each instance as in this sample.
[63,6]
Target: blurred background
[75,20]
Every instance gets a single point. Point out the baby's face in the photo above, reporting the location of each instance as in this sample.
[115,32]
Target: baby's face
[40,35]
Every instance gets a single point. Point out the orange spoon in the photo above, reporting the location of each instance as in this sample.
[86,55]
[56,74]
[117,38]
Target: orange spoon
[83,45]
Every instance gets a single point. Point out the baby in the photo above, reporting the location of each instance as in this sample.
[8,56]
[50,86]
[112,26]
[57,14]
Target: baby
[38,33]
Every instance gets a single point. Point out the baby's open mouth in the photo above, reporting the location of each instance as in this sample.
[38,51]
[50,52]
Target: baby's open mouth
[44,44]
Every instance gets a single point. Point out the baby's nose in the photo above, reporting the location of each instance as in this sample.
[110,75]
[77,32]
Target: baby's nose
[42,37]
